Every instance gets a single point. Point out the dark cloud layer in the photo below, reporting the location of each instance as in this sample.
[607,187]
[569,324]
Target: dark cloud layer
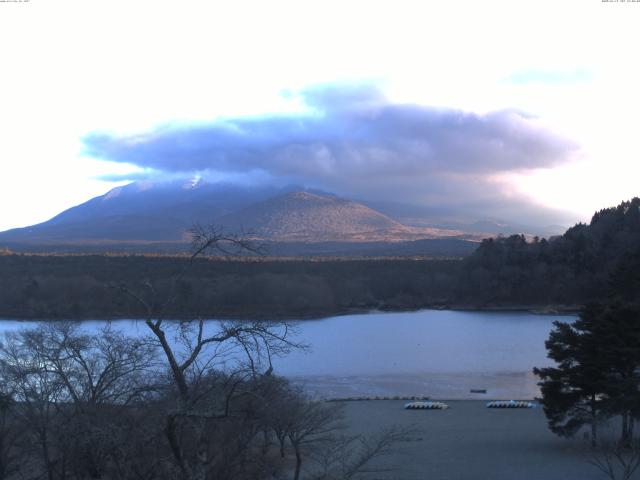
[354,142]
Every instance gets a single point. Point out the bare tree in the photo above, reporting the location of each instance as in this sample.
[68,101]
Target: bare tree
[109,368]
[71,386]
[26,375]
[195,350]
[316,430]
[282,410]
[617,462]
[312,423]
[347,457]
[10,434]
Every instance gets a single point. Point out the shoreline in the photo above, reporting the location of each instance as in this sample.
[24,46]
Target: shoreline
[452,386]
[543,309]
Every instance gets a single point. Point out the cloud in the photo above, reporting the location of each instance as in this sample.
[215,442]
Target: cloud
[353,141]
[129,176]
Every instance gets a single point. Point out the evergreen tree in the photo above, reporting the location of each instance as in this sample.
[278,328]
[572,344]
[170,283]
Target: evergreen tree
[573,391]
[598,370]
[617,329]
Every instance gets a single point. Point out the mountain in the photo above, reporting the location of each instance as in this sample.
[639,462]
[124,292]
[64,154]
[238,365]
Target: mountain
[189,201]
[304,216]
[157,216]
[141,212]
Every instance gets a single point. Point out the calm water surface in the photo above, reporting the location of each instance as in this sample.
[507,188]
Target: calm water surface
[430,352]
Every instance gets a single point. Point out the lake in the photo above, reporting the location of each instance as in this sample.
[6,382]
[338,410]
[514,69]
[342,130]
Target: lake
[440,353]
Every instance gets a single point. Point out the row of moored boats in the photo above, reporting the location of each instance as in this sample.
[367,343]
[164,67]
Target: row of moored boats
[493,404]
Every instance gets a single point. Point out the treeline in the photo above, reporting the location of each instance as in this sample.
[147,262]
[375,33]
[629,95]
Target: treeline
[570,269]
[427,248]
[89,286]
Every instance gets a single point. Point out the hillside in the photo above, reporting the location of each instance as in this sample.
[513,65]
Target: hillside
[303,216]
[140,212]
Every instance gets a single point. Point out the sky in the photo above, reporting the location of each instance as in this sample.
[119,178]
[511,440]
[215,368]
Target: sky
[520,110]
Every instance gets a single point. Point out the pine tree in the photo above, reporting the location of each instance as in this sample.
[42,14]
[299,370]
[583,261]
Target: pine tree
[573,392]
[617,329]
[598,370]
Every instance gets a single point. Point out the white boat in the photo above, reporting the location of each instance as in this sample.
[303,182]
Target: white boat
[426,406]
[510,404]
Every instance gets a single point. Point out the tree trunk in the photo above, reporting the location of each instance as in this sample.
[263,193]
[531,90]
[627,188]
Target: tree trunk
[202,454]
[172,438]
[296,474]
[594,422]
[178,374]
[266,443]
[625,440]
[47,461]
